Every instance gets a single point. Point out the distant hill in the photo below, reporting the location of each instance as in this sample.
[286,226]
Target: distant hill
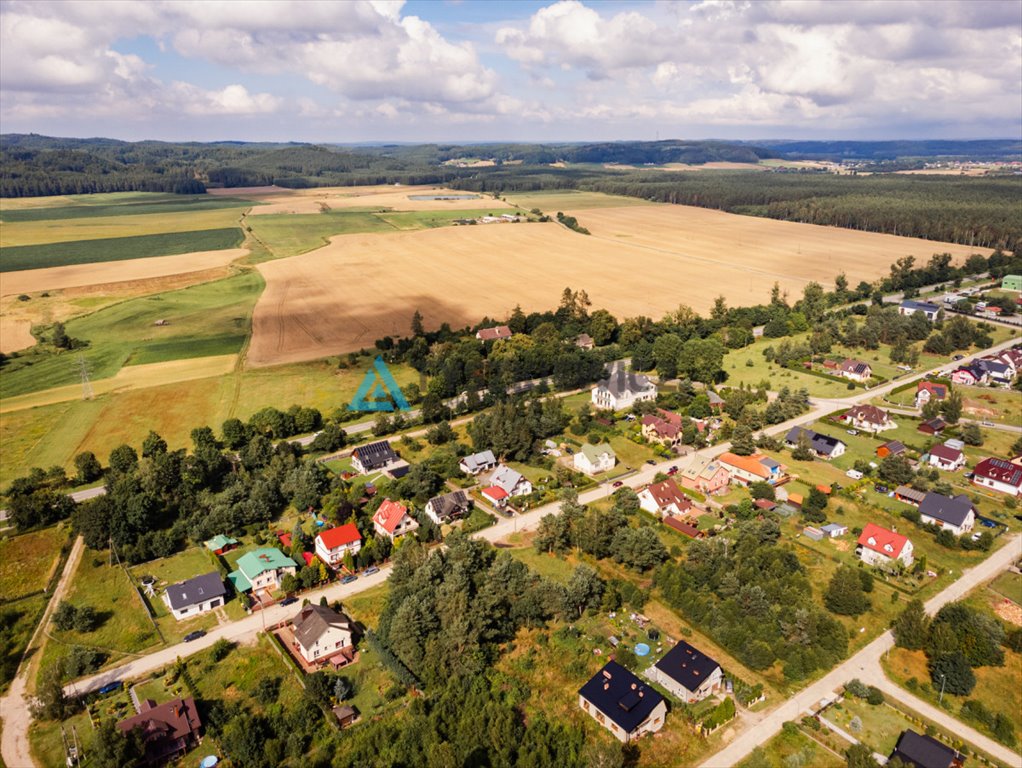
[985,149]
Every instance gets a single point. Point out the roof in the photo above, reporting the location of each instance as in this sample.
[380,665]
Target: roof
[506,478]
[621,696]
[373,455]
[972,369]
[239,582]
[584,339]
[667,493]
[308,557]
[595,452]
[195,590]
[910,493]
[882,540]
[894,446]
[313,621]
[701,467]
[495,492]
[867,413]
[477,460]
[824,445]
[285,539]
[340,536]
[857,367]
[946,452]
[687,665]
[754,464]
[991,365]
[935,424]
[952,511]
[689,530]
[389,515]
[496,332]
[939,391]
[1000,470]
[620,381]
[449,504]
[715,399]
[664,427]
[765,504]
[834,528]
[164,726]
[261,560]
[919,751]
[922,306]
[219,542]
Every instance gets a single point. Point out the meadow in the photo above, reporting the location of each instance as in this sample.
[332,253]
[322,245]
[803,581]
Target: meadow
[28,561]
[20,210]
[57,254]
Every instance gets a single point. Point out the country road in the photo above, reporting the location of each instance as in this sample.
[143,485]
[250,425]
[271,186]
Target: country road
[244,630]
[866,666]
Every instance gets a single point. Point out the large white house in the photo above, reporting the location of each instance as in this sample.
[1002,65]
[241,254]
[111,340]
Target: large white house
[593,459]
[664,499]
[321,633]
[196,595]
[880,547]
[868,418]
[622,389]
[334,544]
[393,521]
[622,703]
[512,482]
[687,673]
[261,569]
[999,475]
[955,514]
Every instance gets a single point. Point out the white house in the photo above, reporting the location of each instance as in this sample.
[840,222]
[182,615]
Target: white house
[910,307]
[261,569]
[999,475]
[947,458]
[513,483]
[449,507]
[334,544]
[687,673]
[955,514]
[477,462]
[622,389]
[393,521]
[622,703]
[593,459]
[880,547]
[373,457]
[194,596]
[664,499]
[868,418]
[321,633]
[855,370]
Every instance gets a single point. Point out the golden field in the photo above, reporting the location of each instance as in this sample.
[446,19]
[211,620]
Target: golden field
[375,197]
[640,260]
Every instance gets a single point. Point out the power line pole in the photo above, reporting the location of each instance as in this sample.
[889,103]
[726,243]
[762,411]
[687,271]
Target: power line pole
[87,393]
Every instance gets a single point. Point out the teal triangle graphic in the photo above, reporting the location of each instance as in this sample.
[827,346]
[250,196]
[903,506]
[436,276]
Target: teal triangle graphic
[379,391]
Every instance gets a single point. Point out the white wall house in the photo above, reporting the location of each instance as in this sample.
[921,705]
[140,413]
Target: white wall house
[622,389]
[593,459]
[195,596]
[622,703]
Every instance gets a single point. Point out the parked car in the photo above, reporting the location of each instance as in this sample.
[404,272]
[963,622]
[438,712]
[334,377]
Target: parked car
[852,432]
[116,685]
[673,470]
[958,357]
[881,488]
[370,571]
[651,462]
[618,483]
[289,601]
[195,635]
[349,578]
[987,423]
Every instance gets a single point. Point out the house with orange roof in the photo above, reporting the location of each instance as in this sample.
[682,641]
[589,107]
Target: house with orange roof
[752,469]
[393,521]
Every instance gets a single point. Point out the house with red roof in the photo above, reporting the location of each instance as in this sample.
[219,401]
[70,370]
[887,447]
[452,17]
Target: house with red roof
[496,495]
[947,458]
[999,475]
[332,545]
[929,390]
[662,427]
[884,548]
[393,521]
[492,334]
[662,499]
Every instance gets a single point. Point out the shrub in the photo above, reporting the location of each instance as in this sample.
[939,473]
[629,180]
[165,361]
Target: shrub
[220,649]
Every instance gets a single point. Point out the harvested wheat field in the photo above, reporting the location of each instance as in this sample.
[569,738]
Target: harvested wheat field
[764,249]
[15,334]
[362,287]
[104,272]
[376,197]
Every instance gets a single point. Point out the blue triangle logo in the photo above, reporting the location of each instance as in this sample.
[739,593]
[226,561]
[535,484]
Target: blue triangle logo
[379,391]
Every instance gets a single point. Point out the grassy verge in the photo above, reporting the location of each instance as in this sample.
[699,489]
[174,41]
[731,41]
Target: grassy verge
[792,747]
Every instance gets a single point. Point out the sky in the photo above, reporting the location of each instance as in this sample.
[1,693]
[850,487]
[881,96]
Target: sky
[450,71]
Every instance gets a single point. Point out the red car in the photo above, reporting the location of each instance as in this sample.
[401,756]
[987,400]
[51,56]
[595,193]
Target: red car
[618,483]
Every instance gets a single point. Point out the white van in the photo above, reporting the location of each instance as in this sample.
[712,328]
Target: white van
[854,474]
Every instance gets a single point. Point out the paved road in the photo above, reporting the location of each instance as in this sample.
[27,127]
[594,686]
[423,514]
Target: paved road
[14,706]
[865,664]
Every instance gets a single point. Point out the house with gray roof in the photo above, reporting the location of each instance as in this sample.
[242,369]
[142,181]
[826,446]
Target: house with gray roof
[910,307]
[512,482]
[449,507]
[823,446]
[955,514]
[622,389]
[477,462]
[321,634]
[196,595]
[622,703]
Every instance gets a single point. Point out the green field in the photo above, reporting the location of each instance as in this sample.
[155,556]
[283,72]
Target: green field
[18,622]
[286,234]
[781,750]
[27,561]
[131,204]
[208,319]
[118,248]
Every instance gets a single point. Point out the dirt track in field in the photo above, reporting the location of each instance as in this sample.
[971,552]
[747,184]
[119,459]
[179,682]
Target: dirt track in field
[640,260]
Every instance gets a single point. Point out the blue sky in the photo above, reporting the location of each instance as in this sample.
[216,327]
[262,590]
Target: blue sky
[377,70]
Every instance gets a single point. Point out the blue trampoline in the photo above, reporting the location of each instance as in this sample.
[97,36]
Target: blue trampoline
[209,762]
[641,649]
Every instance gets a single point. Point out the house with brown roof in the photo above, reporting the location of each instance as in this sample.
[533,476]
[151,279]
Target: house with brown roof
[393,521]
[932,426]
[929,390]
[662,427]
[664,498]
[685,529]
[855,370]
[168,730]
[706,475]
[494,333]
[947,458]
[868,418]
[323,634]
[891,448]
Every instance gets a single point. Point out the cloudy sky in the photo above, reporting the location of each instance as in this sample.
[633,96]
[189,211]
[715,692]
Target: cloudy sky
[382,70]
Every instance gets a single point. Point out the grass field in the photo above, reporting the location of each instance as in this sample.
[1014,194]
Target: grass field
[118,248]
[27,561]
[784,749]
[114,204]
[213,318]
[287,234]
[1003,406]
[19,622]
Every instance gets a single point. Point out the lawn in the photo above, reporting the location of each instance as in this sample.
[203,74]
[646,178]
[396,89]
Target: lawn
[748,366]
[882,724]
[118,248]
[287,234]
[783,748]
[211,318]
[17,623]
[27,561]
[1008,585]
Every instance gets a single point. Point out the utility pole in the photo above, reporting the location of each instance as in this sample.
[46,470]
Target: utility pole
[940,699]
[87,393]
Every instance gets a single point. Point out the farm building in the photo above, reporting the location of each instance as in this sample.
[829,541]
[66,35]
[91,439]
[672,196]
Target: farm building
[687,673]
[622,389]
[622,703]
